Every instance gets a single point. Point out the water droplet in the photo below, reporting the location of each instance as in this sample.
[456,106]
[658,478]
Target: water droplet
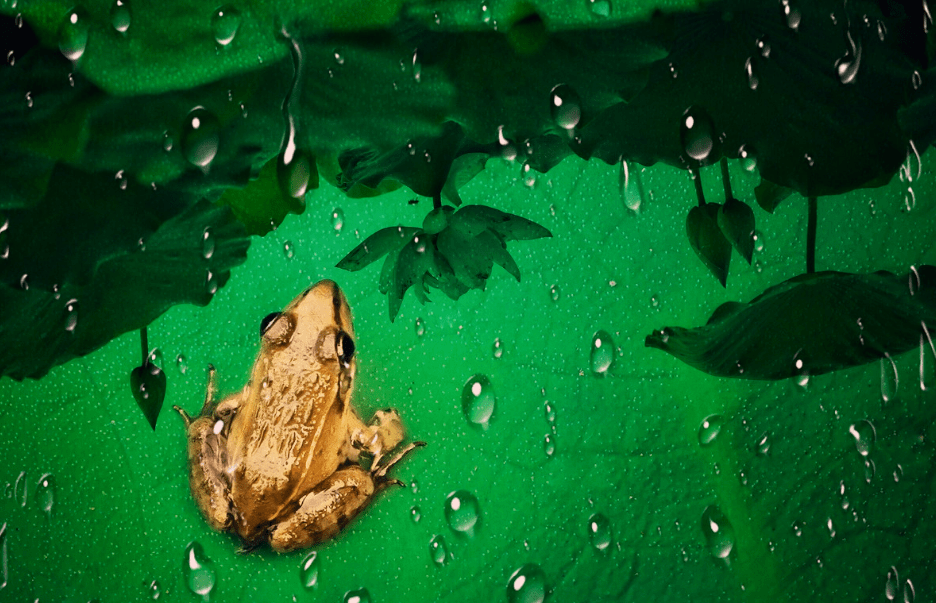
[360,595]
[602,352]
[415,514]
[528,176]
[909,199]
[181,363]
[554,293]
[527,585]
[120,16]
[763,444]
[889,379]
[847,66]
[892,585]
[909,593]
[339,58]
[630,187]
[224,24]
[45,494]
[870,469]
[71,315]
[550,411]
[763,47]
[200,135]
[791,14]
[211,283]
[288,250]
[462,512]
[917,80]
[4,565]
[709,429]
[698,134]
[549,445]
[199,570]
[719,533]
[600,8]
[208,244]
[20,489]
[414,486]
[865,435]
[599,531]
[154,590]
[437,550]
[73,34]
[485,13]
[674,72]
[294,172]
[758,237]
[420,327]
[309,570]
[337,219]
[498,348]
[565,106]
[417,67]
[749,72]
[478,400]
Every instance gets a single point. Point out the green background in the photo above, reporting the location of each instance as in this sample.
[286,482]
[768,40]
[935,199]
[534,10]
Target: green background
[117,515]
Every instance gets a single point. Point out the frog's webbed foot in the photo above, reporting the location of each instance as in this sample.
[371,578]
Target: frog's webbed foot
[379,471]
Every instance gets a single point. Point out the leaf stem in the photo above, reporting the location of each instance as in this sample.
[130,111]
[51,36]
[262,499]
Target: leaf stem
[144,346]
[697,178]
[813,217]
[726,179]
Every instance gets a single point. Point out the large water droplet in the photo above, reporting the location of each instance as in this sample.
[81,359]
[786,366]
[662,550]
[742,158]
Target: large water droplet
[199,570]
[120,15]
[847,66]
[527,585]
[697,133]
[360,595]
[200,136]
[909,593]
[865,435]
[224,24]
[565,106]
[630,186]
[892,585]
[791,14]
[752,78]
[73,34]
[154,590]
[748,160]
[718,531]
[463,513]
[478,400]
[602,352]
[294,172]
[437,550]
[45,494]
[599,531]
[709,429]
[309,571]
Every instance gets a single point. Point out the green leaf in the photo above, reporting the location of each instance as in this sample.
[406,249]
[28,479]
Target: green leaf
[499,253]
[508,226]
[262,205]
[376,246]
[736,221]
[769,195]
[464,168]
[148,384]
[471,262]
[708,241]
[811,324]
[413,262]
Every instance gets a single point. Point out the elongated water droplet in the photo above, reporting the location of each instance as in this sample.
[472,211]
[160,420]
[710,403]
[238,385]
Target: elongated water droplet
[360,595]
[709,429]
[154,590]
[602,352]
[463,513]
[752,78]
[120,15]
[565,106]
[182,363]
[415,514]
[498,348]
[200,137]
[630,186]
[211,283]
[45,494]
[20,489]
[791,14]
[224,24]
[478,400]
[865,435]
[718,531]
[554,293]
[73,34]
[549,410]
[527,585]
[198,570]
[599,531]
[4,566]
[309,571]
[337,219]
[549,445]
[71,315]
[437,550]
[420,327]
[909,593]
[208,244]
[847,66]
[289,250]
[889,379]
[892,586]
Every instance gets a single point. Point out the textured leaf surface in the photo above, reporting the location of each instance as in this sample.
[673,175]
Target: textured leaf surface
[708,241]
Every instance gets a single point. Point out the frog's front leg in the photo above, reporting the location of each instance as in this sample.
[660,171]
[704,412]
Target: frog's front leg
[384,433]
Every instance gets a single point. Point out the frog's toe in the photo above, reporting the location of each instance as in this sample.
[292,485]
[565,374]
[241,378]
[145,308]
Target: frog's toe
[380,472]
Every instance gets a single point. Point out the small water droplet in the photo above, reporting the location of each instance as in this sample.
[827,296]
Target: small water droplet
[224,24]
[154,590]
[554,293]
[199,570]
[417,67]
[73,34]
[337,219]
[11,58]
[120,16]
[718,531]
[550,411]
[71,315]
[763,444]
[709,429]
[309,570]
[478,400]
[674,72]
[208,244]
[865,435]
[498,348]
[600,8]
[917,80]
[360,595]
[763,46]
[549,445]
[599,531]
[698,134]
[200,137]
[527,585]
[420,327]
[121,179]
[181,363]
[791,14]
[485,13]
[437,550]
[463,513]
[288,250]
[211,283]
[565,106]
[339,57]
[752,79]
[414,486]
[892,585]
[889,379]
[415,514]
[45,494]
[602,352]
[4,564]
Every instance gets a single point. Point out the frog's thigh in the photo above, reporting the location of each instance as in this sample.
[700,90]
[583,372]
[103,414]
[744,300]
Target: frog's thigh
[325,511]
[206,473]
[384,433]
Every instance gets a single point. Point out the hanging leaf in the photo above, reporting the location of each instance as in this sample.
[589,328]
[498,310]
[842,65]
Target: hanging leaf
[769,195]
[812,324]
[708,241]
[376,246]
[262,205]
[148,384]
[736,221]
[508,226]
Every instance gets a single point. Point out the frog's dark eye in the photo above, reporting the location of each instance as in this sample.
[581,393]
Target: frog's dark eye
[267,321]
[345,348]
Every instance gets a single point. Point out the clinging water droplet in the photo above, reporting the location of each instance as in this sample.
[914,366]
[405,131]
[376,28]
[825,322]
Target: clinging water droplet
[73,34]
[20,489]
[199,570]
[120,15]
[309,570]
[478,400]
[565,106]
[549,445]
[361,595]
[182,363]
[527,585]
[602,352]
[200,137]
[697,133]
[718,531]
[600,8]
[45,494]
[437,550]
[71,315]
[294,169]
[415,514]
[224,24]
[709,429]
[498,348]
[208,244]
[554,293]
[337,219]
[865,435]
[462,512]
[599,531]
[420,327]
[289,250]
[892,585]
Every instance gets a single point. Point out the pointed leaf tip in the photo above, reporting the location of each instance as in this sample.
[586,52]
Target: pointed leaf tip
[736,221]
[148,384]
[708,241]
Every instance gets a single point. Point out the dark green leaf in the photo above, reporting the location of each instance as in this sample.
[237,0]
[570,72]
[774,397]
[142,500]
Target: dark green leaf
[262,205]
[376,246]
[810,324]
[508,226]
[708,241]
[499,253]
[471,262]
[148,384]
[736,221]
[413,262]
[446,280]
[769,195]
[464,168]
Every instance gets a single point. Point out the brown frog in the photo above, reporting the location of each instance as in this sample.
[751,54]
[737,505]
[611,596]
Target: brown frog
[278,462]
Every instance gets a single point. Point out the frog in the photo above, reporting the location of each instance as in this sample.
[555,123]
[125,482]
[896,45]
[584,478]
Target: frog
[281,462]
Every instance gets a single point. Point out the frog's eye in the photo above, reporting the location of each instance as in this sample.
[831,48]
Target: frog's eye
[267,321]
[345,348]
